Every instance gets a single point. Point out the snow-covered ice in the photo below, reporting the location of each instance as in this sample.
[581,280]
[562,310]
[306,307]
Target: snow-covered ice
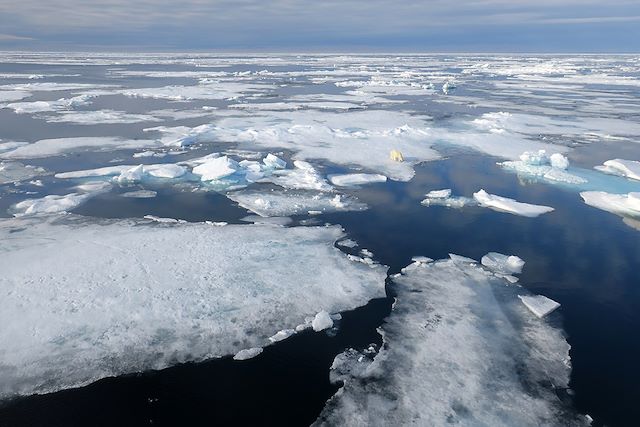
[444,198]
[620,167]
[500,263]
[248,353]
[504,369]
[16,172]
[149,295]
[59,146]
[504,204]
[216,168]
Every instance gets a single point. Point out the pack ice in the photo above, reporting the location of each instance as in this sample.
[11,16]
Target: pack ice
[459,349]
[82,300]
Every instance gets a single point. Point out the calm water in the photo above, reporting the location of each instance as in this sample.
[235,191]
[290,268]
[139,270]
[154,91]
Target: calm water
[584,258]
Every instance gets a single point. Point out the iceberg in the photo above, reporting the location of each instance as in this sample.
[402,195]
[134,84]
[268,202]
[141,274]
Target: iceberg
[149,295]
[627,168]
[504,204]
[355,179]
[506,369]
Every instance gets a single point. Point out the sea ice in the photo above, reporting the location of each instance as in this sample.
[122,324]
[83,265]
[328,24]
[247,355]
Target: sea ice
[504,264]
[216,168]
[289,202]
[459,349]
[539,304]
[16,172]
[444,198]
[303,177]
[627,168]
[540,164]
[274,162]
[504,204]
[355,179]
[115,297]
[322,321]
[627,205]
[248,353]
[140,194]
[59,146]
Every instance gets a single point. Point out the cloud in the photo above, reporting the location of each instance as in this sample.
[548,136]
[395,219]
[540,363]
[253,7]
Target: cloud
[231,23]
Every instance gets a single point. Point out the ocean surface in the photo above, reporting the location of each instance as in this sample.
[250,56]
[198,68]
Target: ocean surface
[96,336]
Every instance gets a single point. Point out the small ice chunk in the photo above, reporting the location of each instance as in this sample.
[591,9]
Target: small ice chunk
[282,335]
[504,264]
[274,162]
[539,304]
[627,168]
[162,220]
[559,161]
[132,175]
[354,179]
[504,204]
[49,204]
[248,353]
[347,243]
[322,321]
[421,259]
[439,194]
[216,168]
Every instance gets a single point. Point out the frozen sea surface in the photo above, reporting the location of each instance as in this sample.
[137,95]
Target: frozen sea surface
[288,183]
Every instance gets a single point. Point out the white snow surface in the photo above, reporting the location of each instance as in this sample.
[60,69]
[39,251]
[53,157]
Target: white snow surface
[321,321]
[504,264]
[504,204]
[115,297]
[502,371]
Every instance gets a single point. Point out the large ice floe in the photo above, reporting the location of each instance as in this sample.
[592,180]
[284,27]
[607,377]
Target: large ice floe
[82,300]
[54,204]
[626,168]
[504,204]
[549,167]
[460,348]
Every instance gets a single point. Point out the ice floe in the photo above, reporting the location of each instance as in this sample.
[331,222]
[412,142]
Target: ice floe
[248,353]
[16,172]
[505,264]
[444,198]
[506,368]
[59,146]
[150,295]
[539,304]
[626,168]
[626,205]
[504,204]
[304,176]
[539,164]
[140,194]
[291,202]
[355,179]
[321,321]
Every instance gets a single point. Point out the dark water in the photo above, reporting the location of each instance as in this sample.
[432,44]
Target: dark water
[584,258]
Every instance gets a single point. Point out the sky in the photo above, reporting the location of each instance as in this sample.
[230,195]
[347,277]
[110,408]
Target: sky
[607,26]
